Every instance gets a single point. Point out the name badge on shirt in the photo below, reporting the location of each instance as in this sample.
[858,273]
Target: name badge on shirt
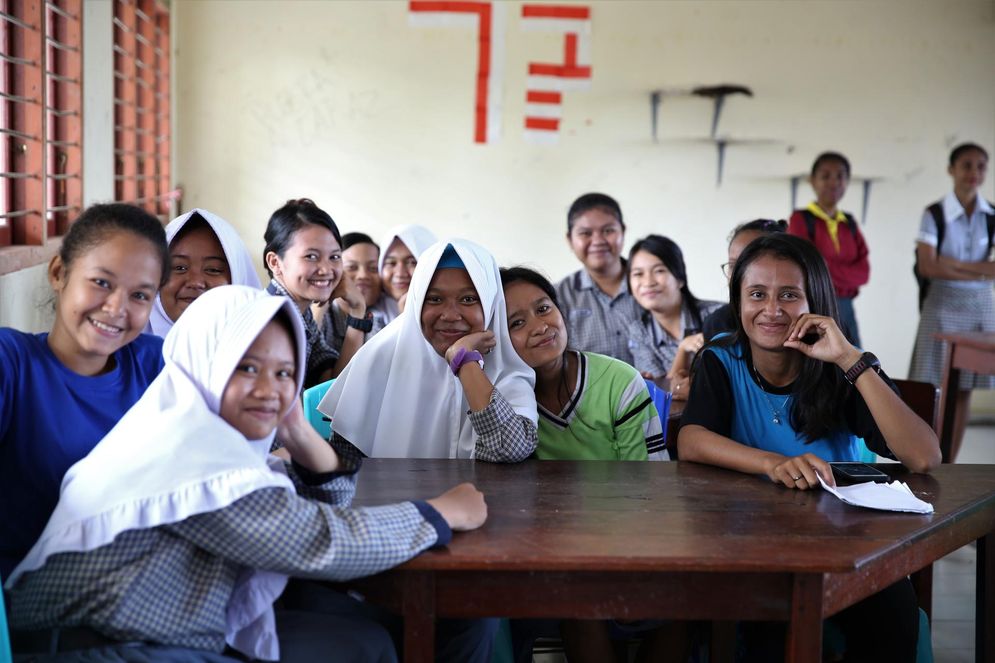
[578,314]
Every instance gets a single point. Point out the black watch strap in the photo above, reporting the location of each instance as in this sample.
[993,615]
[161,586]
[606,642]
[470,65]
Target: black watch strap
[364,325]
[867,360]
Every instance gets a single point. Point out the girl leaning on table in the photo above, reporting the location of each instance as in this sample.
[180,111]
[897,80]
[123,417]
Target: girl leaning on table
[444,375]
[591,407]
[176,548]
[785,393]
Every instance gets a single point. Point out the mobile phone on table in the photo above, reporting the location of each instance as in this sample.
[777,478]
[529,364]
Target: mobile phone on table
[857,473]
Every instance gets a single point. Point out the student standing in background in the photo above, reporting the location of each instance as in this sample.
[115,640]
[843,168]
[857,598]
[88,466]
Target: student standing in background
[596,299]
[836,235]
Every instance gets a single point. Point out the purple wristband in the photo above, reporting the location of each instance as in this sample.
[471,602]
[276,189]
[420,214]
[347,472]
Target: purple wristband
[464,356]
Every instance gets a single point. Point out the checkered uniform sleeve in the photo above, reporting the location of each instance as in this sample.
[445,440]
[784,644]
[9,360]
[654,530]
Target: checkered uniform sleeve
[275,530]
[335,488]
[503,435]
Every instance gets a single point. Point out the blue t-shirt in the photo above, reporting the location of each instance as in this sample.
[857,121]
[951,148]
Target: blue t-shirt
[727,399]
[50,418]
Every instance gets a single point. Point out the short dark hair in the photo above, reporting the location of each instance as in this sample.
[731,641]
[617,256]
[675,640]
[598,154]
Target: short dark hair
[760,226]
[829,157]
[350,240]
[819,391]
[98,222]
[672,257]
[589,201]
[292,217]
[511,275]
[963,148]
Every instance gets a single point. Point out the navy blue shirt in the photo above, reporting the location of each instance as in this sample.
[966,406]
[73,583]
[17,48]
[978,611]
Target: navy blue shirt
[51,417]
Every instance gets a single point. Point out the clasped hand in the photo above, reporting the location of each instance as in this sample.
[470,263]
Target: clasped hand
[483,342]
[827,341]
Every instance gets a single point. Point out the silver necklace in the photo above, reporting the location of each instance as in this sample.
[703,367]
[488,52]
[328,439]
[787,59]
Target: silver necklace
[776,412]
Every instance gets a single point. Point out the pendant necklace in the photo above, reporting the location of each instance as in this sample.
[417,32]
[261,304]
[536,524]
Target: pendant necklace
[776,412]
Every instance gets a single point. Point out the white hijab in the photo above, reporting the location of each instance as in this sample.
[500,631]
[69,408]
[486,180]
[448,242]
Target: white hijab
[417,239]
[171,456]
[239,262]
[398,398]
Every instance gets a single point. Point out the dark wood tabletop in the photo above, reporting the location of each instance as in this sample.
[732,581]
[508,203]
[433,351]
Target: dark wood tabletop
[597,539]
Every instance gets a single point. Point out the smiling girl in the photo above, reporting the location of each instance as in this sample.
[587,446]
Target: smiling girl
[665,338]
[175,535]
[205,251]
[443,380]
[785,394]
[402,247]
[62,391]
[836,235]
[591,407]
[303,256]
[596,299]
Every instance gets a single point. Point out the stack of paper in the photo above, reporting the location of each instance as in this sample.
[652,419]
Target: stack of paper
[894,496]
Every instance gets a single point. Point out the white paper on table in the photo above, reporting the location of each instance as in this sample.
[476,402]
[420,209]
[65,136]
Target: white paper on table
[892,496]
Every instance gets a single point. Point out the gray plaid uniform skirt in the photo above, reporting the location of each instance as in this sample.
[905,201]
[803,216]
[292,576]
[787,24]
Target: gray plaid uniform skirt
[949,309]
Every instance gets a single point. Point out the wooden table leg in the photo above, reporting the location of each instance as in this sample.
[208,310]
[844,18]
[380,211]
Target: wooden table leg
[419,618]
[804,641]
[984,615]
[948,403]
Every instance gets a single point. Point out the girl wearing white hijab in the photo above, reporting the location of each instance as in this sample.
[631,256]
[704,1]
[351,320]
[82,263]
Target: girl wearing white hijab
[205,252]
[402,248]
[443,380]
[178,546]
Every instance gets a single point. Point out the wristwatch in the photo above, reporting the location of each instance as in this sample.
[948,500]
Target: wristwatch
[364,325]
[463,357]
[867,360]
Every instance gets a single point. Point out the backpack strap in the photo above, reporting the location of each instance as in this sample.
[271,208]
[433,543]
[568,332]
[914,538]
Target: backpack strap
[936,209]
[809,224]
[990,218]
[852,225]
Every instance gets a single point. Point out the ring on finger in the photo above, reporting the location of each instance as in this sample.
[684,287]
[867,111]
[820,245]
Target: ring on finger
[796,478]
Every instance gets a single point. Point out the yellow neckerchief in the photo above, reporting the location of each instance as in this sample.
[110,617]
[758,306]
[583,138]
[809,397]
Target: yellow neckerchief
[832,223]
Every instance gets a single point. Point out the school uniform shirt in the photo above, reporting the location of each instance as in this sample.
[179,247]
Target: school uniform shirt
[954,306]
[597,322]
[610,416]
[51,417]
[653,349]
[398,398]
[178,530]
[321,356]
[964,238]
[845,252]
[240,266]
[727,399]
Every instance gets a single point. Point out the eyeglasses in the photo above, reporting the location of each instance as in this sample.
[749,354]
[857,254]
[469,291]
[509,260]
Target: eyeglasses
[727,269]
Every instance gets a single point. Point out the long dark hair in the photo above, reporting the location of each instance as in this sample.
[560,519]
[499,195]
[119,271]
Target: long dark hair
[670,254]
[820,390]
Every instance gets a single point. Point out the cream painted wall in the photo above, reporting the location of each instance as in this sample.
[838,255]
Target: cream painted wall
[347,103]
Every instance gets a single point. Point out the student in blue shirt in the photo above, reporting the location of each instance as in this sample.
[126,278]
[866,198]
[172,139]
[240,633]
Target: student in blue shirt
[785,394]
[61,391]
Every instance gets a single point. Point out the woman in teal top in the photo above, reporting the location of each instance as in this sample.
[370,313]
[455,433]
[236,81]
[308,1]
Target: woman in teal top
[785,394]
[591,407]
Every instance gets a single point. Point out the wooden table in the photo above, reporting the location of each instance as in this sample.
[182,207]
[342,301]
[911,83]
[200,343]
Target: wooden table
[973,351]
[632,540]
